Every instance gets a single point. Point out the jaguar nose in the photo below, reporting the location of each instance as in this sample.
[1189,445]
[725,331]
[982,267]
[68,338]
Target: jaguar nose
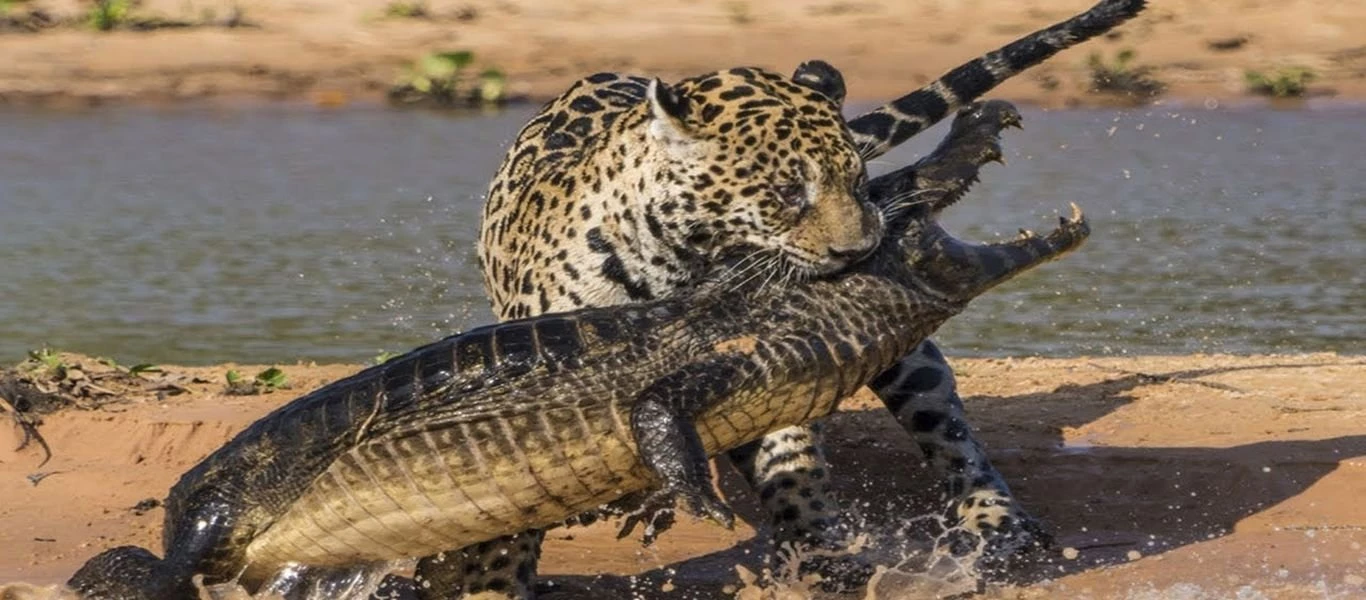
[849,255]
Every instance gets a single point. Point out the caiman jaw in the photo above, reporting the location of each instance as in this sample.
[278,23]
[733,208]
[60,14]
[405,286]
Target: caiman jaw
[960,271]
[944,176]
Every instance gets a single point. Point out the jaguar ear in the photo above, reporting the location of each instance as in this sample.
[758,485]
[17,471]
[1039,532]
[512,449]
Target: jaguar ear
[670,111]
[820,76]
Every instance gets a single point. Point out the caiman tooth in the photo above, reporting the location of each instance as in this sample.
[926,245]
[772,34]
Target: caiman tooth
[1026,234]
[994,154]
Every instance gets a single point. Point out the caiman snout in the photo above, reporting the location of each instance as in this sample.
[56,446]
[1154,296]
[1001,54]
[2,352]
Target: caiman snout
[962,271]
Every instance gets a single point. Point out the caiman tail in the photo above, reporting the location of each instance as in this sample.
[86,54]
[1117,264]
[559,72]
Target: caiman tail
[889,125]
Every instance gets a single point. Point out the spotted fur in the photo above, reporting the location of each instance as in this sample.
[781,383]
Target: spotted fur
[626,189]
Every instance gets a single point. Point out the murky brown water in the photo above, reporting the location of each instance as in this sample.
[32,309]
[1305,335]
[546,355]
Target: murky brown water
[278,234]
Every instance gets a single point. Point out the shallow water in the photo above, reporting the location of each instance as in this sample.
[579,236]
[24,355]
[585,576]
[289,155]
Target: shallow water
[278,234]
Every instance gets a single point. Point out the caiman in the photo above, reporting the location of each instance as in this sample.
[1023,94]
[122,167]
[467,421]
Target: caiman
[526,423]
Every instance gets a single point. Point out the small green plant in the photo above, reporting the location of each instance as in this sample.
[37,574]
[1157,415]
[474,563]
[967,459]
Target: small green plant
[1121,77]
[407,9]
[384,356]
[442,78]
[1285,82]
[107,15]
[271,379]
[48,360]
[136,370]
[141,368]
[264,382]
[492,86]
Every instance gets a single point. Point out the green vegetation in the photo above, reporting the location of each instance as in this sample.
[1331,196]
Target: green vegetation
[141,368]
[1285,82]
[7,5]
[407,9]
[48,360]
[264,382]
[1120,77]
[384,356]
[111,15]
[443,79]
[108,15]
[136,370]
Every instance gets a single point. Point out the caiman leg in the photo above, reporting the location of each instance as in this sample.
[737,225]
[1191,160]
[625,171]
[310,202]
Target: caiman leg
[921,390]
[662,425]
[132,573]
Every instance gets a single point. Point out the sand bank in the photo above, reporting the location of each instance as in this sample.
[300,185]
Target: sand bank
[1169,475]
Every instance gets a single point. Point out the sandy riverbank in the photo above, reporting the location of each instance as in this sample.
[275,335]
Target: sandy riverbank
[346,52]
[1171,476]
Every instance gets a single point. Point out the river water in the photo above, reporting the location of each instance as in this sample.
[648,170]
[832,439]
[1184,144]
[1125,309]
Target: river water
[279,234]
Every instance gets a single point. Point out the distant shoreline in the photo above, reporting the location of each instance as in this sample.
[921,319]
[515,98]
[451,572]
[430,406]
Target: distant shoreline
[317,53]
[308,102]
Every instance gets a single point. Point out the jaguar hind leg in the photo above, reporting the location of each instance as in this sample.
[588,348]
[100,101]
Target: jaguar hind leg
[500,569]
[921,392]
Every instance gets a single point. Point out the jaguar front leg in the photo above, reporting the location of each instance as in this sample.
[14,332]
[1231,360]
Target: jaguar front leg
[921,390]
[788,470]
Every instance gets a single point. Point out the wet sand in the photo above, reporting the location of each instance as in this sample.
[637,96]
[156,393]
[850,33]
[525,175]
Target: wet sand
[1203,476]
[334,53]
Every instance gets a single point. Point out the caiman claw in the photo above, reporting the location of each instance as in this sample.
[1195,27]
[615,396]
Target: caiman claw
[657,511]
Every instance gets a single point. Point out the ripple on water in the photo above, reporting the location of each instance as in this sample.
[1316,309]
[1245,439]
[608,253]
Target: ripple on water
[275,235]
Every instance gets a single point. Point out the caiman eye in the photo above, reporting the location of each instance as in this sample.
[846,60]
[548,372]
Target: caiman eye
[792,194]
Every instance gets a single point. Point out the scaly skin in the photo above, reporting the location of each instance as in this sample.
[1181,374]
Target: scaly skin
[786,468]
[521,425]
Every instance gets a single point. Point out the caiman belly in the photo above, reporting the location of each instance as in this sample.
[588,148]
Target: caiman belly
[466,482]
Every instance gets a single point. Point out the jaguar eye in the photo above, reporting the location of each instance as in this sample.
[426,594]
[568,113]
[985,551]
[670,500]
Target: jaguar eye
[861,188]
[793,194]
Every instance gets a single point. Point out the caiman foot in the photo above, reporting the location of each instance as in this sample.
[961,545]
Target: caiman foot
[656,511]
[129,573]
